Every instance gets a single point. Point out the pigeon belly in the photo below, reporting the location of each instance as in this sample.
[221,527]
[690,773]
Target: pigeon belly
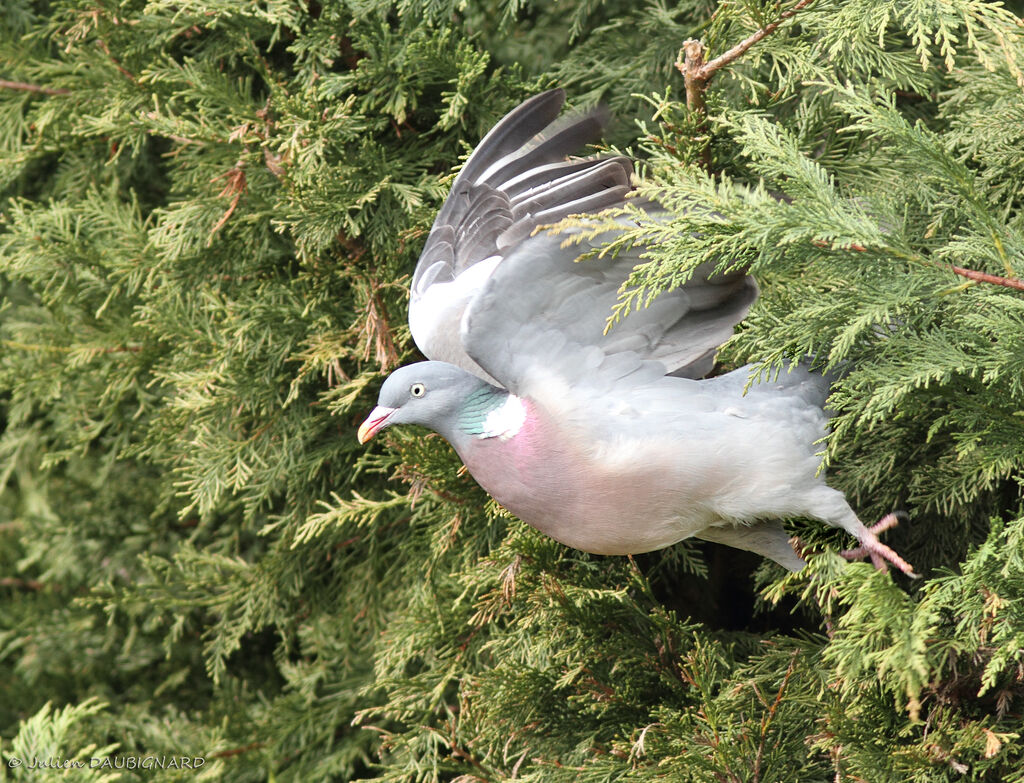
[605,498]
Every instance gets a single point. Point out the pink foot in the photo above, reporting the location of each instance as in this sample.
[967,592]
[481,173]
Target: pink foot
[879,553]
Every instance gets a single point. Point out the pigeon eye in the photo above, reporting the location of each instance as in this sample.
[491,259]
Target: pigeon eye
[417,390]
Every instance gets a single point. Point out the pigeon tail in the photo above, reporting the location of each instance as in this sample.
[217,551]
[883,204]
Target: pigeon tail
[768,539]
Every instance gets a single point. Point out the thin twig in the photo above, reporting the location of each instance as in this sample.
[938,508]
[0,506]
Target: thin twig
[235,187]
[985,277]
[6,85]
[378,330]
[767,717]
[698,72]
[117,63]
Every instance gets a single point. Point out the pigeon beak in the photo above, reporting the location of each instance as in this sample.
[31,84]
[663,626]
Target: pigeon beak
[376,421]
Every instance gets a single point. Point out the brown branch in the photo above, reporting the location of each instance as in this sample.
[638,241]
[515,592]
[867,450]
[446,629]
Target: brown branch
[691,67]
[376,326]
[378,330]
[6,85]
[984,277]
[117,63]
[275,163]
[708,69]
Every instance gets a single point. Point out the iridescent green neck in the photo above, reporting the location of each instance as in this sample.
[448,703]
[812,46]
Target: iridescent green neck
[474,412]
[490,412]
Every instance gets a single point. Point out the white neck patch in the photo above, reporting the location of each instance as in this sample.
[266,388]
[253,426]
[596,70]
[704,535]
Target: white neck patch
[506,420]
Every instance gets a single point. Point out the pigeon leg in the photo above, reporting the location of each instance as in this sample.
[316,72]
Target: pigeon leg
[871,547]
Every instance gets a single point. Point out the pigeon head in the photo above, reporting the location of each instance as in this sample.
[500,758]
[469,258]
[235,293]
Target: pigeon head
[426,393]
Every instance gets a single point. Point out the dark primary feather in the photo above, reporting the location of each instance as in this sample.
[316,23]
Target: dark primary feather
[513,159]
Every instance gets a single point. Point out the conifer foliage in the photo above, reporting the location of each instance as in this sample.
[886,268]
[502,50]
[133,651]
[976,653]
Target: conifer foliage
[210,211]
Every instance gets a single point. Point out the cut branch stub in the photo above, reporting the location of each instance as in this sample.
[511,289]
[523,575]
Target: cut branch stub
[692,66]
[693,76]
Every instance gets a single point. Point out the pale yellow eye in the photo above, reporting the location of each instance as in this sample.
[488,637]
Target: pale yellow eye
[417,390]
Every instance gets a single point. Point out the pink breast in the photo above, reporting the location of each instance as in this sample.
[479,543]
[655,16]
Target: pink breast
[529,473]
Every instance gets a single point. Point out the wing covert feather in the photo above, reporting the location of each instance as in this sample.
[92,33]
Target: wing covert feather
[541,315]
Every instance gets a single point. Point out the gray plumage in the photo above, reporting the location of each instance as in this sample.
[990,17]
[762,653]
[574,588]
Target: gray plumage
[606,442]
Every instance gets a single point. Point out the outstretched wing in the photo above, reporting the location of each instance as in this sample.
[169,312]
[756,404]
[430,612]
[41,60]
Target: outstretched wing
[517,178]
[501,302]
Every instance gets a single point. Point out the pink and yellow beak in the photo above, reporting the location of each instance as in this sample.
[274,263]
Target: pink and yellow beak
[375,422]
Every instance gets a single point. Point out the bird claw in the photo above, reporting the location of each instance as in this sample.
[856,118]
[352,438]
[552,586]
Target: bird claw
[879,553]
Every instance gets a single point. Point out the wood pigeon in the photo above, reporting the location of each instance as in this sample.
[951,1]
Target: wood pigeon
[608,442]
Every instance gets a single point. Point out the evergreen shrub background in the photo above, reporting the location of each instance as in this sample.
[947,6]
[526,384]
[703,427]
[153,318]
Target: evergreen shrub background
[210,212]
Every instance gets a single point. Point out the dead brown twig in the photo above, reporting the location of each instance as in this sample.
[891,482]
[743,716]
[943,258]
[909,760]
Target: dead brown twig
[234,187]
[378,329]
